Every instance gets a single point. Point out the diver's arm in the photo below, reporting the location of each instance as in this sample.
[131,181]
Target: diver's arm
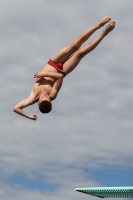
[19,108]
[55,75]
[56,87]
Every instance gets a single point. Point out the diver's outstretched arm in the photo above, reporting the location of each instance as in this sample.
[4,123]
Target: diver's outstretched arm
[19,108]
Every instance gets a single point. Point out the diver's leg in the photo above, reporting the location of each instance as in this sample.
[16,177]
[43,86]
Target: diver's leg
[75,59]
[69,50]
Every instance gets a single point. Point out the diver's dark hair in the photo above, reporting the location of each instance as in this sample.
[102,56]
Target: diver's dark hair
[45,106]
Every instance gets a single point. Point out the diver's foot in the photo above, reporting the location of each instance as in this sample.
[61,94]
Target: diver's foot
[109,28]
[104,20]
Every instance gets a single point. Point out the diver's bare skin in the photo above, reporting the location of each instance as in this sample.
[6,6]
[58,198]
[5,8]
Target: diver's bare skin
[49,81]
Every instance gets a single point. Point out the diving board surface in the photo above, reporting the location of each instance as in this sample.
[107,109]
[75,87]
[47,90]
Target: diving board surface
[108,192]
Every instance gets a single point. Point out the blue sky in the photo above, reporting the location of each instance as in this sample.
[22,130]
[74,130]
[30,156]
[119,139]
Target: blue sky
[107,177]
[36,184]
[110,177]
[87,139]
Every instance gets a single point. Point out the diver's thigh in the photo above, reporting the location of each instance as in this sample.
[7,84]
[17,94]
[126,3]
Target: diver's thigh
[72,63]
[64,54]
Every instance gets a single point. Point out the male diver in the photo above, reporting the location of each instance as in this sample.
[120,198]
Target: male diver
[49,80]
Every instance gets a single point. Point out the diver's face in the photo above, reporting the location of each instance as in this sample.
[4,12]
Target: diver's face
[44,97]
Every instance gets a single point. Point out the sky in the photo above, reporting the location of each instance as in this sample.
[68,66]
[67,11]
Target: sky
[87,139]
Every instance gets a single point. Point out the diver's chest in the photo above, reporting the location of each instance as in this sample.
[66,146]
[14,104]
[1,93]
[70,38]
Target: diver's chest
[39,88]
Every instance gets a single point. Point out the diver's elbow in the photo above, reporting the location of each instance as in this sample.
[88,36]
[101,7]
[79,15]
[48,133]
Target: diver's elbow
[15,109]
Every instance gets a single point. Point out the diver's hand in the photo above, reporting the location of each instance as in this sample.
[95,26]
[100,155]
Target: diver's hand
[33,117]
[38,75]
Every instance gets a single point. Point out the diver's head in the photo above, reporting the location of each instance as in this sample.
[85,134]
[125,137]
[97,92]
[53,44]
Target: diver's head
[44,103]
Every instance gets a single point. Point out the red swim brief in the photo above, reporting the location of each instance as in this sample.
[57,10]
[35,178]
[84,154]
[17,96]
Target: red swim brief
[58,66]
